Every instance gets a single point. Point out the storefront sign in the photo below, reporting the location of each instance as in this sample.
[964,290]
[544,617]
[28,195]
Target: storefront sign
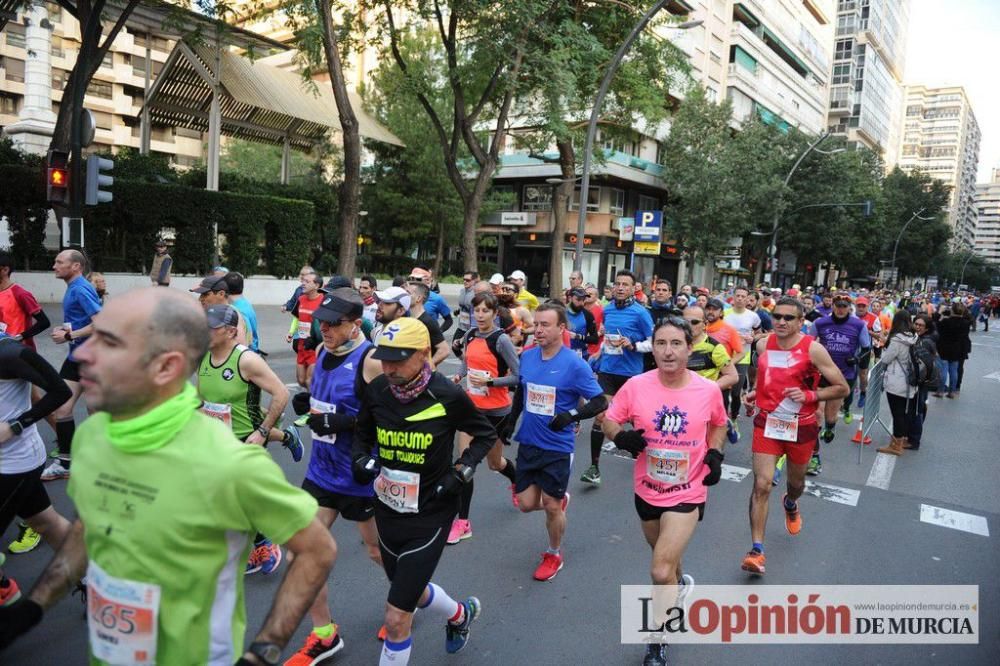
[516,219]
[646,247]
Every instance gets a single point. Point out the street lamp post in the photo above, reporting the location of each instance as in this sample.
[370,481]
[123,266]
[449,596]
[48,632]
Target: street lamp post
[588,149]
[961,279]
[895,248]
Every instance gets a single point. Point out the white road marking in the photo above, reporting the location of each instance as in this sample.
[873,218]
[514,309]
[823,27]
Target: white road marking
[956,520]
[293,387]
[734,473]
[995,376]
[833,493]
[881,472]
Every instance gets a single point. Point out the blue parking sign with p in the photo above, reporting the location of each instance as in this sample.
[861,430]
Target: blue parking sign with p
[648,224]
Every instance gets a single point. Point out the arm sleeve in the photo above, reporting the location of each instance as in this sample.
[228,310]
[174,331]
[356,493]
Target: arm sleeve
[591,409]
[26,364]
[506,348]
[591,335]
[435,332]
[294,326]
[38,326]
[472,422]
[517,403]
[364,428]
[448,321]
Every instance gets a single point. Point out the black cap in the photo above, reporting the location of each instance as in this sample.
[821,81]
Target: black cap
[579,292]
[715,303]
[341,303]
[336,282]
[222,315]
[212,283]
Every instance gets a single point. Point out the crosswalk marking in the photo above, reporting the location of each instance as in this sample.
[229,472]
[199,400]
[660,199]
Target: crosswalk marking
[833,493]
[734,472]
[881,472]
[956,520]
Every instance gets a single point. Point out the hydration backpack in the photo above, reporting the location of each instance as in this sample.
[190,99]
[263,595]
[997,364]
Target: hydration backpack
[924,371]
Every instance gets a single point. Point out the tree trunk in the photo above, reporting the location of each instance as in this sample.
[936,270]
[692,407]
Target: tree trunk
[349,193]
[470,239]
[567,168]
[439,250]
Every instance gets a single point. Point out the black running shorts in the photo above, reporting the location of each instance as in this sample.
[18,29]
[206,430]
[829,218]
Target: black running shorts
[22,495]
[411,547]
[351,507]
[649,511]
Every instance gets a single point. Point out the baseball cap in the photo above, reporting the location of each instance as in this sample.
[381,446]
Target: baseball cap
[400,339]
[715,303]
[336,282]
[776,291]
[518,275]
[222,315]
[841,296]
[394,295]
[793,292]
[579,292]
[339,304]
[211,283]
[419,273]
[861,301]
[496,278]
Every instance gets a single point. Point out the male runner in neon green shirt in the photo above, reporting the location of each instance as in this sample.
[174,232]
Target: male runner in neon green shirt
[169,501]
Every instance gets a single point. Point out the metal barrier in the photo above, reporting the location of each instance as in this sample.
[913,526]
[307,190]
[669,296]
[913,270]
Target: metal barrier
[873,403]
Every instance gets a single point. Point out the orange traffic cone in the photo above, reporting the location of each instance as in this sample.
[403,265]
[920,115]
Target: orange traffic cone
[858,433]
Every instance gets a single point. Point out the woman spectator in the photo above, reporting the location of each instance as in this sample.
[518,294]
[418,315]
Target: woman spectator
[953,343]
[970,325]
[923,326]
[897,382]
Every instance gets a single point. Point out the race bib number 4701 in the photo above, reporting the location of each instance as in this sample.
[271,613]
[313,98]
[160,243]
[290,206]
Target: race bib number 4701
[121,618]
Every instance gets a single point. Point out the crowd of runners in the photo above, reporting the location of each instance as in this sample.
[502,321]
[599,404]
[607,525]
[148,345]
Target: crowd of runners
[177,498]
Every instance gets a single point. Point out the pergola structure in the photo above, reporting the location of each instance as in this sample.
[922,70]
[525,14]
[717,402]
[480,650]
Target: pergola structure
[208,89]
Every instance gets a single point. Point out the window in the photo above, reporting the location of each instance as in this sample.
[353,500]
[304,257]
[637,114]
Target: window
[160,44]
[15,69]
[8,105]
[55,12]
[108,60]
[617,205]
[536,197]
[100,89]
[15,35]
[593,199]
[101,120]
[914,110]
[59,79]
[843,49]
[841,74]
[648,203]
[57,47]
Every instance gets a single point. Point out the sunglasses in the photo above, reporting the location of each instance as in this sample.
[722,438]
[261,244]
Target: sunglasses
[784,317]
[694,322]
[840,304]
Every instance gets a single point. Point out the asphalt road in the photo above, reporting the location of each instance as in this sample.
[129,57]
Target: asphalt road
[860,527]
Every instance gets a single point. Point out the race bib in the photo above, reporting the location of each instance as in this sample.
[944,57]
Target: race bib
[320,407]
[219,410]
[610,340]
[398,490]
[541,399]
[777,358]
[668,465]
[464,320]
[303,330]
[478,374]
[784,427]
[121,618]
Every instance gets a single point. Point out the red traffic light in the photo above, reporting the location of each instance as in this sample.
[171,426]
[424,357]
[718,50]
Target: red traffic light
[58,177]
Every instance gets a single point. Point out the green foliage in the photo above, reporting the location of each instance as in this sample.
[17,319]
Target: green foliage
[22,200]
[132,165]
[924,243]
[262,162]
[11,154]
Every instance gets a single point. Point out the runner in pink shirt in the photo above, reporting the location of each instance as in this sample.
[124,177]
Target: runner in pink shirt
[679,425]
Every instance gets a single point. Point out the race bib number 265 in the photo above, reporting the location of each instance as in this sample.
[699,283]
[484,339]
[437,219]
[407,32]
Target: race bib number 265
[121,618]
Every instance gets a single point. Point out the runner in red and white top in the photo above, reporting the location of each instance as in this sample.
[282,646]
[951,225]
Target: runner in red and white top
[785,404]
[678,424]
[305,306]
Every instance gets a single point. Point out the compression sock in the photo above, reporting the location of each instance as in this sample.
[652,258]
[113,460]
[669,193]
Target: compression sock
[463,511]
[758,546]
[508,469]
[326,631]
[396,654]
[439,602]
[596,442]
[552,551]
[790,505]
[65,429]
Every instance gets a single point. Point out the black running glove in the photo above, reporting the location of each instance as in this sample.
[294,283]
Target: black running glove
[300,402]
[328,423]
[16,619]
[561,420]
[452,483]
[364,469]
[714,460]
[631,441]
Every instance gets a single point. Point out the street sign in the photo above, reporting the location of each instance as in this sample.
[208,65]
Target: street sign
[731,252]
[932,282]
[648,225]
[646,247]
[626,228]
[516,219]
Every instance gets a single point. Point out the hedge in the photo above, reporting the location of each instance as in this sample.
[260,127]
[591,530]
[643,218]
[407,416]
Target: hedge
[257,230]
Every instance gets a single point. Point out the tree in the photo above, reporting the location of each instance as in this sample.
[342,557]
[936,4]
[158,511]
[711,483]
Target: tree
[564,82]
[925,242]
[487,47]
[262,161]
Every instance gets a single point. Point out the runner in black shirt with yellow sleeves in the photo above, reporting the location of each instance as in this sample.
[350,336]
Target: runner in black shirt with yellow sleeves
[411,413]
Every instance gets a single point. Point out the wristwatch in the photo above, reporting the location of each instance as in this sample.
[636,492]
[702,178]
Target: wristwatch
[269,653]
[264,432]
[15,427]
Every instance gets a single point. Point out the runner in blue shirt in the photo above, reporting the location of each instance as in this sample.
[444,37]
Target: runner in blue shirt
[552,381]
[234,281]
[628,332]
[80,304]
[582,328]
[435,303]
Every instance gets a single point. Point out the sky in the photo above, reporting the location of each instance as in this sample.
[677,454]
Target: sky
[955,43]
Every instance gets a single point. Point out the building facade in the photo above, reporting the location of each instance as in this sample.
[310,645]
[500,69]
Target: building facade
[866,82]
[986,238]
[941,138]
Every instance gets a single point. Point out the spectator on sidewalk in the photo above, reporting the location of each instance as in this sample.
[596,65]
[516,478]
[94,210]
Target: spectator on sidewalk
[162,265]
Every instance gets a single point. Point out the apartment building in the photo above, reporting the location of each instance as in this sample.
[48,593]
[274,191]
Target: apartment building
[114,96]
[986,237]
[941,138]
[866,83]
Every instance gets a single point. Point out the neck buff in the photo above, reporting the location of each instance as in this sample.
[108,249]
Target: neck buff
[839,320]
[349,346]
[408,392]
[624,304]
[369,300]
[148,432]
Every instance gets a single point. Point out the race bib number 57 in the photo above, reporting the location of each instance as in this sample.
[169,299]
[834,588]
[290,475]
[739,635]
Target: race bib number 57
[121,618]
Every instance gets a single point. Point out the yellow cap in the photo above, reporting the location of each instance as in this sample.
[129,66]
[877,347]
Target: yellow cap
[400,339]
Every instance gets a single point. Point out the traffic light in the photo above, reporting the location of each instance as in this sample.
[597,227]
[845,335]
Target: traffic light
[57,178]
[98,176]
